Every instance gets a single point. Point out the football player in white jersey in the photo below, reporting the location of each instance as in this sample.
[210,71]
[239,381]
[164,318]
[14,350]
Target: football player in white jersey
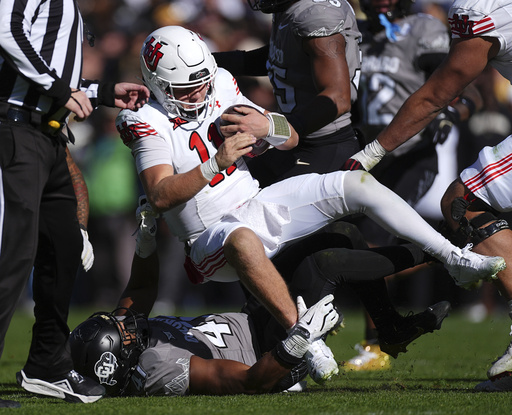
[200,183]
[481,35]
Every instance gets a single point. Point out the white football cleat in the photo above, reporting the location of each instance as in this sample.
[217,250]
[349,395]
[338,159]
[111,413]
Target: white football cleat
[320,362]
[502,365]
[467,268]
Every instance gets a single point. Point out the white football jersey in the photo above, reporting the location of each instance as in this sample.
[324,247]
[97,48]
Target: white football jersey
[492,18]
[490,177]
[156,137]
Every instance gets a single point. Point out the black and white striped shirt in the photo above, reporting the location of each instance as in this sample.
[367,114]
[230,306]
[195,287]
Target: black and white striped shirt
[41,54]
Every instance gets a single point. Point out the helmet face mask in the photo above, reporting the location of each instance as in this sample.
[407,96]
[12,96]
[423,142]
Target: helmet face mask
[174,57]
[106,348]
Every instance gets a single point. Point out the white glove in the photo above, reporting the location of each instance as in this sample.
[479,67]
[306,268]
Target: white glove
[371,155]
[313,323]
[146,218]
[87,251]
[319,318]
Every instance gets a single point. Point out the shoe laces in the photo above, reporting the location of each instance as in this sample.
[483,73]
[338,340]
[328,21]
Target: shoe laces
[77,377]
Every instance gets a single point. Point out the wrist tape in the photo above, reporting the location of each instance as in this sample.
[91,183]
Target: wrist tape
[210,168]
[278,130]
[370,156]
[292,349]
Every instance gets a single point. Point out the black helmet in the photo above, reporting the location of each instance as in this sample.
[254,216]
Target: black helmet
[269,6]
[106,347]
[400,9]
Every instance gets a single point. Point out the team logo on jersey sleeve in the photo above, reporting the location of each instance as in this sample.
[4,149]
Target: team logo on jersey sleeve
[152,54]
[130,132]
[462,26]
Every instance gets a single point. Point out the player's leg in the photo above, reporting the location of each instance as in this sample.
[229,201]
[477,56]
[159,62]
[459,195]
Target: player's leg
[244,251]
[489,234]
[21,182]
[474,223]
[49,368]
[364,194]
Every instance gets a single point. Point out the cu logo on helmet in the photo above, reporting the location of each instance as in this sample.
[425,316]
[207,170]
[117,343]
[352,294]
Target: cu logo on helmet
[152,54]
[105,368]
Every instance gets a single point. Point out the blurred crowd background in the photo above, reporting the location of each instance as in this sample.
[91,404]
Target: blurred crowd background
[119,28]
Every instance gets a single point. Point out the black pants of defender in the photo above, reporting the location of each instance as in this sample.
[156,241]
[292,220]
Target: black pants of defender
[38,228]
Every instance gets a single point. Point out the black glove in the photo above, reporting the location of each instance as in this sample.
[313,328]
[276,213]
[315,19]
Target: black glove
[439,129]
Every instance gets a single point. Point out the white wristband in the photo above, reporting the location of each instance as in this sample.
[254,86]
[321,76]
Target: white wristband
[278,129]
[210,168]
[370,156]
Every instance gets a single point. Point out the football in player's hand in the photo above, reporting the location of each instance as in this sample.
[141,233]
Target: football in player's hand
[260,146]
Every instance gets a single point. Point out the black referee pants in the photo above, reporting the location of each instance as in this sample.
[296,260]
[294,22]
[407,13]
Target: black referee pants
[38,227]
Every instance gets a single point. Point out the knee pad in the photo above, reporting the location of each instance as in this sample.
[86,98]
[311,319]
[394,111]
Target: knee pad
[472,231]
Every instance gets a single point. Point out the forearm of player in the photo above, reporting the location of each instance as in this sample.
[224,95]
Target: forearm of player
[166,190]
[80,188]
[331,78]
[466,60]
[322,111]
[142,289]
[228,377]
[413,117]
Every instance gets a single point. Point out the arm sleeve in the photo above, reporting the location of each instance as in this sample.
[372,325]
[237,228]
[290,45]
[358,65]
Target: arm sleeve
[100,93]
[244,63]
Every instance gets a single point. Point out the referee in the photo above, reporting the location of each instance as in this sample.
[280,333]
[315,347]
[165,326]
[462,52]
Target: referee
[40,86]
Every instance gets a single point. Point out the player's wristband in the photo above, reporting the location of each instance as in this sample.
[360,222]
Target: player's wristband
[370,156]
[292,349]
[278,130]
[210,168]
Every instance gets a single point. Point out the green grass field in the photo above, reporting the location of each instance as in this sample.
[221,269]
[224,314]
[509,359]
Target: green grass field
[436,376]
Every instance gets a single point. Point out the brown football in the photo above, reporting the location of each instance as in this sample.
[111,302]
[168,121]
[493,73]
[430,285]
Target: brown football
[260,146]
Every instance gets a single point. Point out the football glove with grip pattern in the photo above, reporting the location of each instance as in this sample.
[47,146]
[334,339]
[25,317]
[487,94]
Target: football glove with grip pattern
[312,324]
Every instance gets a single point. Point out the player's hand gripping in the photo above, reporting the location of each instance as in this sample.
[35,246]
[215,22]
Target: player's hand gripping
[233,148]
[319,318]
[80,104]
[313,323]
[245,120]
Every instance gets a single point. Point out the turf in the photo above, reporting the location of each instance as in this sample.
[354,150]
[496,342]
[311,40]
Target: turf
[436,376]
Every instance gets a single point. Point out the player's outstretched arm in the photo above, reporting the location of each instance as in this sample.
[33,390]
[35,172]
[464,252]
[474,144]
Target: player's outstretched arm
[227,377]
[466,60]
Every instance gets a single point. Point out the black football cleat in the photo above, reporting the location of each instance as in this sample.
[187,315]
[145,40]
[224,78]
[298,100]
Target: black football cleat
[395,339]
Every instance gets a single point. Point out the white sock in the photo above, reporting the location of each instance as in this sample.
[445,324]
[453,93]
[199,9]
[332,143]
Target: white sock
[386,208]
